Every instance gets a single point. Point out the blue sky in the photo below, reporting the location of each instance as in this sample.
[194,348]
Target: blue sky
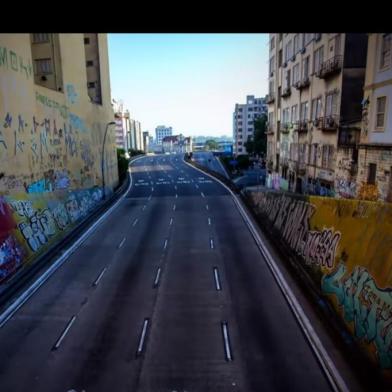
[188,81]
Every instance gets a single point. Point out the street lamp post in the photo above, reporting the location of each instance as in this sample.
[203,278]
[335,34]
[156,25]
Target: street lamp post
[102,161]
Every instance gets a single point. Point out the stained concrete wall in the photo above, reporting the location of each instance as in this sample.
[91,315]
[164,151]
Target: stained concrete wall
[50,148]
[346,247]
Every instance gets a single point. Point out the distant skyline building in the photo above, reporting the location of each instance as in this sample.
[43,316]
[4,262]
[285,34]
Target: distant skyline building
[243,118]
[161,131]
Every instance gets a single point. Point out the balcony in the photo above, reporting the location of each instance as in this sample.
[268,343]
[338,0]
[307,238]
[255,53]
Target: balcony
[286,92]
[349,137]
[285,128]
[302,126]
[270,98]
[301,84]
[270,129]
[329,123]
[330,67]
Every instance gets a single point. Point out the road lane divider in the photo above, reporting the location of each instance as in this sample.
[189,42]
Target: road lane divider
[209,221]
[207,207]
[202,194]
[157,276]
[174,207]
[327,365]
[171,221]
[62,336]
[121,243]
[142,338]
[144,207]
[176,196]
[211,243]
[134,222]
[165,244]
[226,341]
[95,284]
[217,279]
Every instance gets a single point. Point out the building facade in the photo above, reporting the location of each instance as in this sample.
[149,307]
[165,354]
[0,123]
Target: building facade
[53,117]
[243,122]
[161,131]
[375,148]
[314,110]
[177,144]
[146,140]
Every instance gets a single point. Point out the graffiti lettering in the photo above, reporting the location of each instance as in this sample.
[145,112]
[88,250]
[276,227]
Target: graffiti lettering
[365,305]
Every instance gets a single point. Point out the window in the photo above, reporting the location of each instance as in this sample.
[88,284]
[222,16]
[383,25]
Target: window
[43,66]
[239,115]
[250,110]
[272,43]
[240,109]
[372,170]
[288,78]
[86,40]
[316,108]
[40,37]
[89,63]
[91,84]
[270,118]
[305,67]
[240,150]
[327,154]
[250,129]
[296,73]
[250,115]
[280,55]
[272,64]
[240,143]
[271,86]
[304,111]
[239,122]
[331,104]
[239,136]
[385,60]
[288,51]
[318,59]
[308,37]
[296,43]
[239,129]
[294,113]
[313,154]
[286,116]
[380,112]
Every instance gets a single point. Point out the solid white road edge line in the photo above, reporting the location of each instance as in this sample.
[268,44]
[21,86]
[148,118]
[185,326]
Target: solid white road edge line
[23,298]
[324,359]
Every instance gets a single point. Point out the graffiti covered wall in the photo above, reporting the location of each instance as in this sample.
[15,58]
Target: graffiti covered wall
[346,246]
[50,148]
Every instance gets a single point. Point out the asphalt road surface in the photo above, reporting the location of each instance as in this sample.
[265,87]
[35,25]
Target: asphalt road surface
[207,159]
[170,293]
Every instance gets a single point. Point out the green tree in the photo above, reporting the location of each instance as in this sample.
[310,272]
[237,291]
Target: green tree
[211,145]
[259,143]
[122,163]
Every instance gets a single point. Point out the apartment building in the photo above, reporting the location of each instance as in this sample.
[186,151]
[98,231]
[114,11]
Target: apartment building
[55,107]
[375,148]
[177,144]
[243,122]
[122,124]
[314,109]
[161,131]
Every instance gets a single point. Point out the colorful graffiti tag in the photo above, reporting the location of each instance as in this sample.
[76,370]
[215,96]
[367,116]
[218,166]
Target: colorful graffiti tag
[365,305]
[346,247]
[31,223]
[292,218]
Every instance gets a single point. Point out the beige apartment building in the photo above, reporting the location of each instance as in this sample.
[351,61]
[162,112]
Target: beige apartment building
[375,148]
[314,110]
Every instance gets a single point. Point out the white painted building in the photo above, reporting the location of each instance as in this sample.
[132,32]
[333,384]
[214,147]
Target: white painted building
[243,118]
[161,131]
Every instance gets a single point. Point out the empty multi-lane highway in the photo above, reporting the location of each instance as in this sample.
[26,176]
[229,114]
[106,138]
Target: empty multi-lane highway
[170,293]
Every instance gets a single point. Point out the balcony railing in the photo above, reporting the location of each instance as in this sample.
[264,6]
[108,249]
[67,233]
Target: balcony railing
[302,126]
[330,67]
[286,92]
[285,128]
[270,98]
[301,84]
[329,123]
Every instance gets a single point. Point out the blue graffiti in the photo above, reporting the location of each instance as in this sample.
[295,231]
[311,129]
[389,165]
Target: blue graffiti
[71,93]
[77,123]
[366,305]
